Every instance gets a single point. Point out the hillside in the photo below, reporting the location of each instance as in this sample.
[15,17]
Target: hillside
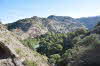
[78,48]
[14,53]
[36,26]
[51,41]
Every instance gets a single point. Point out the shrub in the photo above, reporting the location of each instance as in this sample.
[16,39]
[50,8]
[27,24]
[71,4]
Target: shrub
[29,63]
[89,40]
[54,58]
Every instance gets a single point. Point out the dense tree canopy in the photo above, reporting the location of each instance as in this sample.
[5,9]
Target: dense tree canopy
[57,46]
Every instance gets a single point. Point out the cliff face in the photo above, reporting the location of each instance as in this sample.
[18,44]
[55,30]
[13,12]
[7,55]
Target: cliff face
[35,26]
[13,53]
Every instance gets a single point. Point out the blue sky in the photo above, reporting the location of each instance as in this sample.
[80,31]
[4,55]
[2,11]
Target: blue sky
[12,10]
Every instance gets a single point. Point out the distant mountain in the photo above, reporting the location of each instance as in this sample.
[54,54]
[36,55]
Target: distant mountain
[62,24]
[36,26]
[62,18]
[89,22]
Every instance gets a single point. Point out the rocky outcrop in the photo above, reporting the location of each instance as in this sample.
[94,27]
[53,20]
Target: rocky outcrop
[13,53]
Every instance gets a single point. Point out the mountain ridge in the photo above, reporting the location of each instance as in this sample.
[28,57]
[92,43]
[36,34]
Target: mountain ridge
[89,22]
[36,26]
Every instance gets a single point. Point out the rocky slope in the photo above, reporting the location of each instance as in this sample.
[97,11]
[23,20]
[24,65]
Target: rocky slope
[35,26]
[13,53]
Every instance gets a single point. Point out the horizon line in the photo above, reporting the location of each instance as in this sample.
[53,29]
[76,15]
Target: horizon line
[6,22]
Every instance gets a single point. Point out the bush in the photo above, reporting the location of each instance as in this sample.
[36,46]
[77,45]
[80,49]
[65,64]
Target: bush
[54,58]
[89,40]
[81,31]
[29,63]
[31,43]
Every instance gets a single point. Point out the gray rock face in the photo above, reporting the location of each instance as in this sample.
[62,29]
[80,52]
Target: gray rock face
[6,62]
[63,24]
